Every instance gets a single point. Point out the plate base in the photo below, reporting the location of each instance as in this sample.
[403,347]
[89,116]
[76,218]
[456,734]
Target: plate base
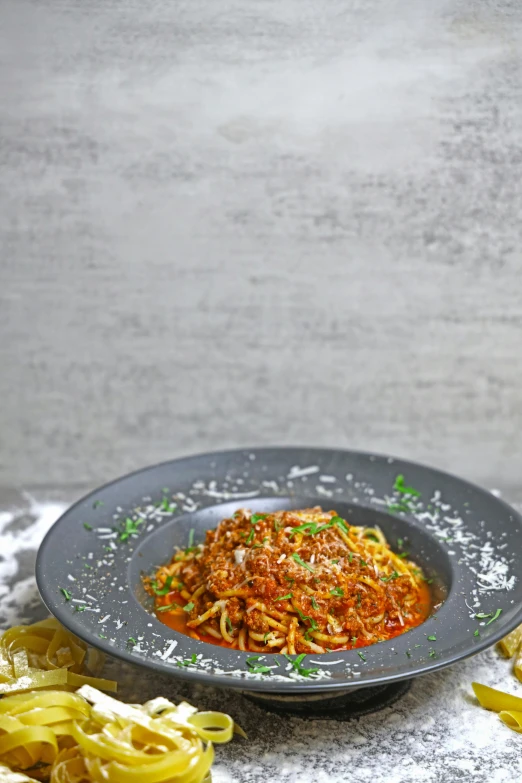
[339,706]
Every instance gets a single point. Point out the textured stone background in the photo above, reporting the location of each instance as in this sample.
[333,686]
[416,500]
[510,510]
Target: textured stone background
[230,223]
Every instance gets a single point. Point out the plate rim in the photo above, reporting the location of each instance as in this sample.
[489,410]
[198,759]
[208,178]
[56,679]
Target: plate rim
[242,683]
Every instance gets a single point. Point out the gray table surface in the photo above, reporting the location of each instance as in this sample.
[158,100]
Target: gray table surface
[436,733]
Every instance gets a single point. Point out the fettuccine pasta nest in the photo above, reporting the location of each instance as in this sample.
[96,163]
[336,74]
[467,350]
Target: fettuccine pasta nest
[89,737]
[45,655]
[49,733]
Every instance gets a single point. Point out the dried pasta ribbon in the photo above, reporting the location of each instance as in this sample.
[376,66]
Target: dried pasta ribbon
[45,655]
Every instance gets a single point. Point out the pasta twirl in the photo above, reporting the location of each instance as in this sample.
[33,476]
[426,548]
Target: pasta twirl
[291,582]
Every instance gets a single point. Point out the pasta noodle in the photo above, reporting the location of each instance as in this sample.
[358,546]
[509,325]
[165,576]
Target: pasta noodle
[89,737]
[291,582]
[510,643]
[509,707]
[45,655]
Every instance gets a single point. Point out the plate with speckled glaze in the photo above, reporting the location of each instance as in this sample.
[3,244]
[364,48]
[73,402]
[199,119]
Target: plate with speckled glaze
[90,565]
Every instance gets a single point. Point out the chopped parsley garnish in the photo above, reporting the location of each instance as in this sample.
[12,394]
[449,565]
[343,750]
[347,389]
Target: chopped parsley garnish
[255,518]
[363,562]
[334,561]
[339,521]
[336,591]
[483,616]
[428,581]
[66,594]
[476,633]
[432,638]
[163,590]
[229,625]
[400,486]
[354,640]
[188,607]
[189,661]
[393,575]
[97,503]
[408,653]
[315,605]
[416,645]
[265,637]
[168,607]
[403,555]
[250,536]
[79,608]
[130,528]
[400,543]
[296,665]
[132,641]
[399,507]
[361,656]
[87,526]
[371,536]
[284,597]
[350,557]
[277,525]
[290,579]
[495,616]
[298,560]
[432,654]
[359,599]
[313,624]
[254,667]
[102,636]
[166,505]
[86,565]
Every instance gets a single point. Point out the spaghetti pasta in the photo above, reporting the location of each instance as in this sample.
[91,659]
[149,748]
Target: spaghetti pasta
[291,582]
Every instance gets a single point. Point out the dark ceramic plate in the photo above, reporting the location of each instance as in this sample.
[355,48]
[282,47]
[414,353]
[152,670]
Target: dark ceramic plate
[470,543]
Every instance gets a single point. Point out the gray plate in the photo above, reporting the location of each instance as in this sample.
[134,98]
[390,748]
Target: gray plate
[466,539]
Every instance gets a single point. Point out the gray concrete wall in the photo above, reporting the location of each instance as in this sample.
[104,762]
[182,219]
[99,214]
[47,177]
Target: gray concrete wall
[235,222]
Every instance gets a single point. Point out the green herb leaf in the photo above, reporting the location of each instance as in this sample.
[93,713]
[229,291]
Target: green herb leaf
[495,617]
[476,633]
[79,608]
[298,560]
[334,561]
[87,526]
[265,637]
[284,597]
[86,565]
[102,636]
[399,486]
[251,536]
[296,665]
[341,524]
[130,528]
[188,607]
[194,658]
[336,591]
[229,625]
[363,562]
[315,605]
[66,594]
[483,616]
[165,589]
[400,543]
[432,654]
[393,575]
[132,641]
[361,656]
[97,503]
[168,607]
[354,640]
[432,638]
[255,518]
[408,653]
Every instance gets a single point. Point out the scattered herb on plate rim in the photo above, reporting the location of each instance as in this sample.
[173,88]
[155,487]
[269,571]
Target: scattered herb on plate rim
[66,594]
